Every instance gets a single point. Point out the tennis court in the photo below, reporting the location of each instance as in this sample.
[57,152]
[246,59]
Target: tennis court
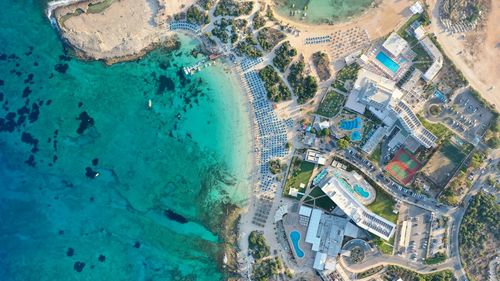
[403,166]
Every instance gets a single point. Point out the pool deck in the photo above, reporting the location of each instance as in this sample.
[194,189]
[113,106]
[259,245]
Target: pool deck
[291,223]
[351,179]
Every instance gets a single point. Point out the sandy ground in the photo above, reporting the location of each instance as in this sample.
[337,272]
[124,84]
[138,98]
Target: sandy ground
[125,29]
[476,54]
[377,22]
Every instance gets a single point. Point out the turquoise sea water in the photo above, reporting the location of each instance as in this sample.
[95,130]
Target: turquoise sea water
[321,11]
[95,186]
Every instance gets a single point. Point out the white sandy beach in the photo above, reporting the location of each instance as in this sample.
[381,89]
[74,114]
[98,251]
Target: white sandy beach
[475,53]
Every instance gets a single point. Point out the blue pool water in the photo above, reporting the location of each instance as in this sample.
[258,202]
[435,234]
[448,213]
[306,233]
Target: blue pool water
[387,62]
[348,125]
[295,237]
[320,176]
[355,136]
[358,189]
[440,96]
[361,191]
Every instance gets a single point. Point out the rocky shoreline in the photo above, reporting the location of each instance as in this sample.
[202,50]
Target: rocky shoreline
[169,44]
[115,31]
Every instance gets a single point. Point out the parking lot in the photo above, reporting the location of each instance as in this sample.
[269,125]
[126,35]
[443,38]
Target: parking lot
[358,159]
[464,115]
[420,220]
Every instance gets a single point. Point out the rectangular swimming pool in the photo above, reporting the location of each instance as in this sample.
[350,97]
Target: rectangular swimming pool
[387,62]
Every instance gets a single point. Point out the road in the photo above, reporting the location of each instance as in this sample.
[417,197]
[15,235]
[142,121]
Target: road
[401,193]
[455,214]
[385,260]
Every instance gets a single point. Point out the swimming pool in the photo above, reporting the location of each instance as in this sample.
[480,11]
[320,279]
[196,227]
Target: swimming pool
[355,136]
[320,177]
[348,125]
[361,191]
[295,237]
[387,62]
[440,96]
[356,189]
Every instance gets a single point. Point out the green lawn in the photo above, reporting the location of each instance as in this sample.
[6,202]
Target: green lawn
[375,156]
[437,258]
[452,152]
[383,205]
[300,172]
[349,72]
[438,129]
[386,247]
[331,104]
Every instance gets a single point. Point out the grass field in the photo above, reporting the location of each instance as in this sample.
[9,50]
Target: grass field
[383,205]
[438,129]
[331,104]
[403,166]
[452,152]
[300,172]
[444,162]
[386,247]
[376,154]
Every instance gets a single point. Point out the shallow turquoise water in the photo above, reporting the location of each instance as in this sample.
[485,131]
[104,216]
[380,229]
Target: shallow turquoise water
[361,191]
[165,175]
[321,11]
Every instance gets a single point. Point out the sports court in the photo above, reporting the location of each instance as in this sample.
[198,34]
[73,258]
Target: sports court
[403,166]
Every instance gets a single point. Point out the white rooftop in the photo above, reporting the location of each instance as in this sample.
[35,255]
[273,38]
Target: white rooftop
[312,229]
[305,211]
[420,32]
[319,261]
[381,96]
[323,125]
[372,90]
[417,8]
[436,56]
[363,217]
[395,44]
[315,157]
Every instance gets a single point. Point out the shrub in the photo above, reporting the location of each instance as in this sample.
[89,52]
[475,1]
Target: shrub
[284,54]
[194,15]
[304,87]
[276,89]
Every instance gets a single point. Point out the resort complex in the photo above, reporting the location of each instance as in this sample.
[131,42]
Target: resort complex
[373,151]
[341,193]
